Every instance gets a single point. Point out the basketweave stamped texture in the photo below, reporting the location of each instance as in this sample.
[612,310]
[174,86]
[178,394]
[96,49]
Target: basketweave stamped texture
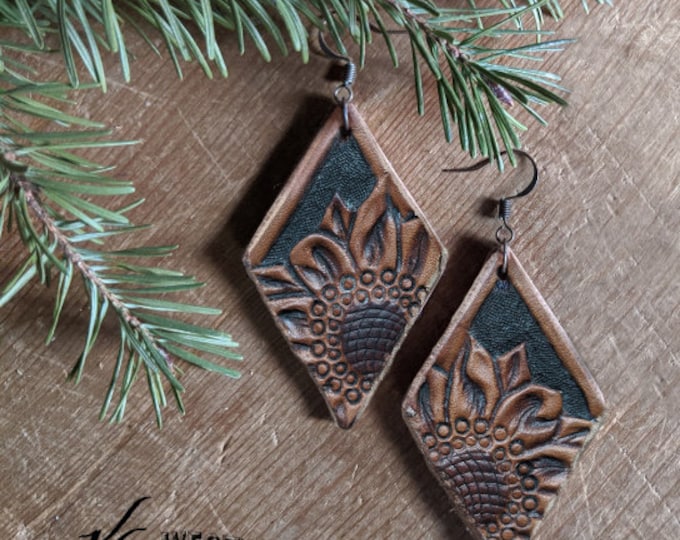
[345,261]
[503,406]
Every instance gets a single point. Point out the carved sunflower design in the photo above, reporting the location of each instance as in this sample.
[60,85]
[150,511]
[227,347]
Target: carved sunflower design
[350,290]
[499,443]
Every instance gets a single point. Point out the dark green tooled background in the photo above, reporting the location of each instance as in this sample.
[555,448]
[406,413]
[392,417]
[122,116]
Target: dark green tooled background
[344,171]
[504,322]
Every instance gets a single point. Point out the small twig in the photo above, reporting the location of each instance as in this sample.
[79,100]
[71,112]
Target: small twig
[32,194]
[424,25]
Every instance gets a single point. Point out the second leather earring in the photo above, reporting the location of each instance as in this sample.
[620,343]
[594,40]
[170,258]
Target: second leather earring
[504,405]
[345,259]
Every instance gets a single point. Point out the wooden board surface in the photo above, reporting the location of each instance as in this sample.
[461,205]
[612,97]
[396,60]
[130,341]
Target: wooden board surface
[260,458]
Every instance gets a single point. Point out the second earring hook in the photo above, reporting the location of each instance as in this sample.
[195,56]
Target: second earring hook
[505,233]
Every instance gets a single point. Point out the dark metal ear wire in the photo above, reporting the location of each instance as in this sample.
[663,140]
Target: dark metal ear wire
[343,94]
[505,234]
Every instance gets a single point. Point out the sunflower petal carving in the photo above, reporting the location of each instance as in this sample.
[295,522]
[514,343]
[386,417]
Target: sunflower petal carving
[500,441]
[345,280]
[502,407]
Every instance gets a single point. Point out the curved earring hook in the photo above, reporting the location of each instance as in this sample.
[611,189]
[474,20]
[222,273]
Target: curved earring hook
[485,162]
[330,53]
[534,180]
[505,234]
[343,94]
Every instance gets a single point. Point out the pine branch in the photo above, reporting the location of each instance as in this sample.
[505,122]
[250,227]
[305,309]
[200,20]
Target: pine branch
[476,85]
[475,92]
[41,181]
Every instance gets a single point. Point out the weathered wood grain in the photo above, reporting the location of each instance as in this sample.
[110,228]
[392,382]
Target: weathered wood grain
[260,458]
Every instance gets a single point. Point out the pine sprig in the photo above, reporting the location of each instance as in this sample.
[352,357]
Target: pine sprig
[476,85]
[475,91]
[45,192]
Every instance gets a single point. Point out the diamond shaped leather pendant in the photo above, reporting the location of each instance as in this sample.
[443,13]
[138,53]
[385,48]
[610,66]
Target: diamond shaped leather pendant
[345,262]
[503,406]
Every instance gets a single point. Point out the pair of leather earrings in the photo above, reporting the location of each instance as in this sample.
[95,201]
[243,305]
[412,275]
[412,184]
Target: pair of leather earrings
[345,260]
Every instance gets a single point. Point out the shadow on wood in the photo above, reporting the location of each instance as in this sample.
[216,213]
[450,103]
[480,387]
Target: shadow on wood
[466,257]
[241,225]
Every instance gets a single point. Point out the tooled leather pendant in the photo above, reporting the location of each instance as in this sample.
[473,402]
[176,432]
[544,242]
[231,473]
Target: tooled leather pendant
[345,261]
[503,406]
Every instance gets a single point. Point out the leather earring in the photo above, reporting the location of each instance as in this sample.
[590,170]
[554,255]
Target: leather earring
[504,405]
[345,259]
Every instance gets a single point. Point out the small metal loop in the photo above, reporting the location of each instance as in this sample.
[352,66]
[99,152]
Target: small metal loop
[343,94]
[505,234]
